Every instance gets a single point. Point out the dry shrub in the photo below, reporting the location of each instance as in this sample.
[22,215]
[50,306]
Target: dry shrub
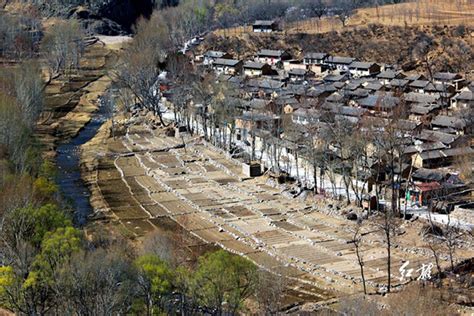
[414,300]
[419,300]
[360,305]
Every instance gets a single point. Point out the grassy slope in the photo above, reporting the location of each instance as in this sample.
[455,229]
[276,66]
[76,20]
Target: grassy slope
[414,13]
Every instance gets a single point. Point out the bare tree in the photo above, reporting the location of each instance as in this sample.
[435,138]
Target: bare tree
[29,91]
[357,240]
[62,47]
[359,148]
[434,246]
[316,148]
[109,102]
[100,282]
[345,9]
[341,141]
[140,73]
[270,292]
[452,235]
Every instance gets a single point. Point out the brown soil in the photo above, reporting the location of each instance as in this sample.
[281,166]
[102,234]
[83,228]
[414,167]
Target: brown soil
[182,195]
[71,100]
[124,209]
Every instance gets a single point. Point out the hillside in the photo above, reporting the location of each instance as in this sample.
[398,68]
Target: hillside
[411,13]
[448,48]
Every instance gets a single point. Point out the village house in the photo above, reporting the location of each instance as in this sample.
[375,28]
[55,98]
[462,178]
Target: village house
[315,58]
[412,150]
[450,79]
[316,62]
[265,26]
[450,140]
[257,105]
[449,124]
[415,77]
[272,57]
[418,86]
[363,69]
[400,85]
[352,85]
[339,63]
[420,98]
[305,116]
[298,90]
[429,175]
[318,92]
[409,127]
[464,100]
[266,86]
[227,66]
[373,86]
[421,193]
[278,75]
[444,90]
[300,75]
[436,186]
[336,97]
[249,122]
[293,64]
[356,94]
[255,69]
[290,104]
[386,76]
[351,113]
[441,158]
[211,56]
[337,78]
[383,103]
[423,112]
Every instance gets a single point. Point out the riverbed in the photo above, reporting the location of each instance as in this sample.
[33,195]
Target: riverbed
[69,180]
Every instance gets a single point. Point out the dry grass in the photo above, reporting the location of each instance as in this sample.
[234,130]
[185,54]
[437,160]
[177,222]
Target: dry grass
[415,13]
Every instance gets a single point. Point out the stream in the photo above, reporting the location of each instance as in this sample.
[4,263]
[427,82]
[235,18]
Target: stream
[68,161]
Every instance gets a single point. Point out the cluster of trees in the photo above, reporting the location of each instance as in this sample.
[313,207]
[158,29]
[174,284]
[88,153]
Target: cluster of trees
[19,36]
[62,47]
[22,88]
[21,94]
[50,267]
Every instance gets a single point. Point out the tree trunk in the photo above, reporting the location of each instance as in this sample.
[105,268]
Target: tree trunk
[253,147]
[315,177]
[389,258]
[297,168]
[361,265]
[346,185]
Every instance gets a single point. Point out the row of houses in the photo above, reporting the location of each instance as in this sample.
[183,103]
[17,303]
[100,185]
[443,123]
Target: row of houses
[321,89]
[280,64]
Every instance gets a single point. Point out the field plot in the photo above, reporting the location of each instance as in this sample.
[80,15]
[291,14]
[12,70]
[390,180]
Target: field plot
[205,194]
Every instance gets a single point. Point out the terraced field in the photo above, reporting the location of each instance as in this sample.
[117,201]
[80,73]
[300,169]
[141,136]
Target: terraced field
[155,178]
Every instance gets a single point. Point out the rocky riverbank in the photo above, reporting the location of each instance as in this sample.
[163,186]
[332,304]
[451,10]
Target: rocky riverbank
[71,100]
